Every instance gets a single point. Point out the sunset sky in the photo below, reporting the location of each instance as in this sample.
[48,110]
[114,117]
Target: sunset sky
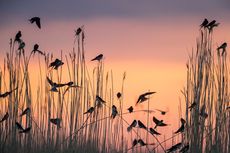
[149,39]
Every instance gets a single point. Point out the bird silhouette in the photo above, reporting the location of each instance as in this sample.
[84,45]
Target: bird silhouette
[143,97]
[25,130]
[5,117]
[98,58]
[223,48]
[55,85]
[184,149]
[56,64]
[161,111]
[119,95]
[152,131]
[90,110]
[99,101]
[192,106]
[37,21]
[56,121]
[114,111]
[35,49]
[134,142]
[18,37]
[132,125]
[26,111]
[4,95]
[21,46]
[19,126]
[204,23]
[78,31]
[141,125]
[174,147]
[130,109]
[158,122]
[211,25]
[141,142]
[182,127]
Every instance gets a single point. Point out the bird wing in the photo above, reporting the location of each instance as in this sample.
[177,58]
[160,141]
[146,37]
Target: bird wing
[38,23]
[155,120]
[148,93]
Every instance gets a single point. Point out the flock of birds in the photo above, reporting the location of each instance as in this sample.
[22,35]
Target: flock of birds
[183,148]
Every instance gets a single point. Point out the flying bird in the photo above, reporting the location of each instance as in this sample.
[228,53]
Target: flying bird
[56,64]
[141,125]
[4,95]
[90,110]
[25,130]
[158,122]
[161,111]
[152,131]
[56,121]
[174,147]
[35,49]
[211,25]
[184,149]
[114,111]
[130,109]
[26,111]
[119,95]
[98,58]
[19,126]
[132,125]
[37,21]
[5,117]
[204,23]
[18,37]
[182,127]
[143,97]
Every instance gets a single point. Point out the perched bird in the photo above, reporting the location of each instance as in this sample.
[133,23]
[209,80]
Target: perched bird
[90,110]
[184,149]
[152,131]
[56,64]
[114,111]
[35,49]
[99,101]
[182,127]
[25,130]
[174,147]
[134,142]
[26,111]
[141,125]
[211,25]
[98,58]
[162,112]
[223,47]
[4,95]
[141,142]
[37,20]
[19,126]
[118,95]
[78,31]
[132,125]
[56,121]
[193,105]
[202,112]
[130,109]
[18,37]
[204,23]
[21,45]
[143,97]
[158,122]
[5,117]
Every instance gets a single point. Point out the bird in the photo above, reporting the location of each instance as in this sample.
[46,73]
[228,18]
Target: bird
[132,125]
[19,126]
[141,142]
[25,130]
[99,101]
[21,45]
[143,97]
[4,95]
[158,122]
[56,64]
[202,112]
[184,149]
[162,112]
[18,37]
[114,111]
[78,31]
[90,110]
[5,117]
[35,49]
[135,142]
[193,105]
[223,47]
[27,110]
[98,58]
[55,85]
[37,20]
[152,131]
[130,109]
[174,147]
[211,25]
[141,125]
[56,121]
[204,23]
[182,127]
[119,95]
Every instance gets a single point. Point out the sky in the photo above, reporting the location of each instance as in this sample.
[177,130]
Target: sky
[149,39]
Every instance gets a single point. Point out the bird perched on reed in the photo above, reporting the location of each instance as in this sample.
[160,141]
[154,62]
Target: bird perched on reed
[141,125]
[26,111]
[18,37]
[37,21]
[153,132]
[90,110]
[119,95]
[78,31]
[98,58]
[184,149]
[130,109]
[132,125]
[4,95]
[182,127]
[19,126]
[141,142]
[223,48]
[56,64]
[211,25]
[114,111]
[174,147]
[143,97]
[21,46]
[204,23]
[35,49]
[158,122]
[5,117]
[26,130]
[99,101]
[56,121]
